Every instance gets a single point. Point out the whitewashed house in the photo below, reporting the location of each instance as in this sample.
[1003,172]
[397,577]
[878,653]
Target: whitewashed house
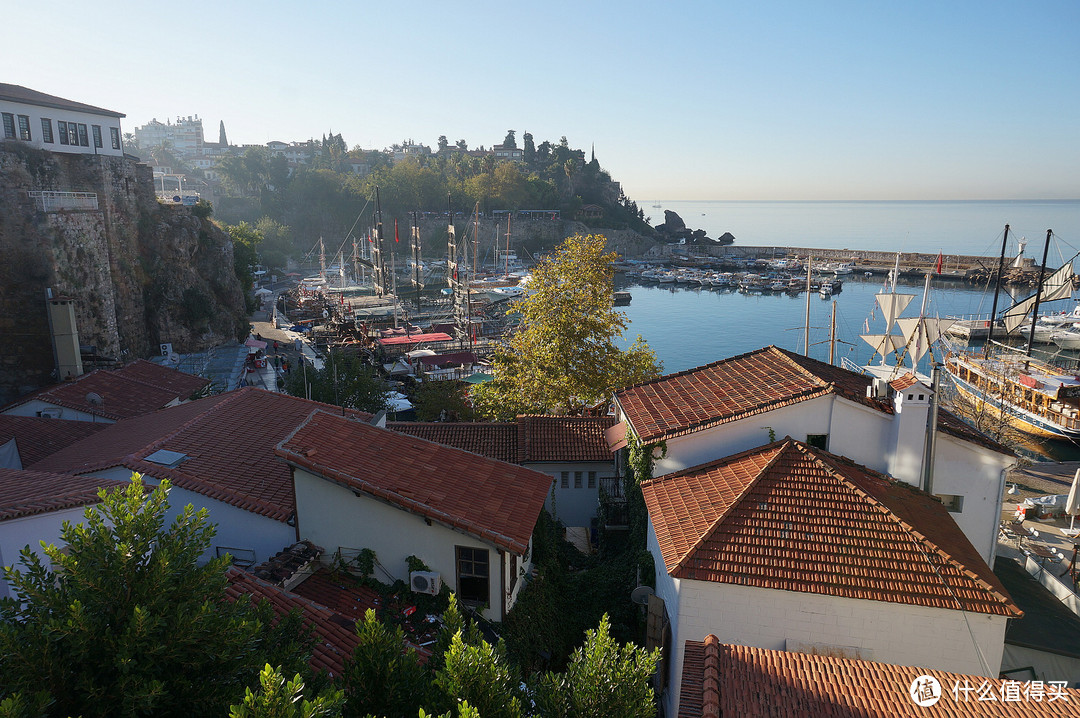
[53,123]
[735,404]
[468,518]
[791,548]
[33,508]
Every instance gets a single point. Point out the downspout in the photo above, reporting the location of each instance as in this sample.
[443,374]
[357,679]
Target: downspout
[1000,493]
[931,430]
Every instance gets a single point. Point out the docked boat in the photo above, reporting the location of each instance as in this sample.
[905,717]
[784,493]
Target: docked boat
[826,289]
[1032,396]
[1066,338]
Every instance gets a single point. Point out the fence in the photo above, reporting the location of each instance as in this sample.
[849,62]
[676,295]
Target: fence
[56,201]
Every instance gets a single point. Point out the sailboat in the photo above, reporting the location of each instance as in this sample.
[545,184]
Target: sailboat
[1034,397]
[918,335]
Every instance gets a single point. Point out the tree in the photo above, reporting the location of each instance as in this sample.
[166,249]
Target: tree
[443,144]
[343,381]
[564,356]
[510,141]
[245,240]
[462,145]
[604,680]
[127,620]
[480,674]
[528,153]
[383,678]
[442,401]
[276,244]
[278,699]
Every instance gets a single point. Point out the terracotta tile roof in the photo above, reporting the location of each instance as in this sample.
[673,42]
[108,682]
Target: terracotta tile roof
[903,382]
[497,441]
[733,681]
[26,493]
[749,384]
[495,501]
[563,438]
[228,439]
[341,593]
[136,389]
[529,439]
[335,635]
[37,438]
[790,517]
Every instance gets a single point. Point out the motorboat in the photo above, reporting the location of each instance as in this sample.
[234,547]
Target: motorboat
[1066,338]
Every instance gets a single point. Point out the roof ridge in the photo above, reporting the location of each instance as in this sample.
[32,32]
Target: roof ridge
[692,370]
[919,538]
[228,398]
[788,358]
[708,532]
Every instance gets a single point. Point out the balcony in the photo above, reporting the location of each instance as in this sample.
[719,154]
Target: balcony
[57,201]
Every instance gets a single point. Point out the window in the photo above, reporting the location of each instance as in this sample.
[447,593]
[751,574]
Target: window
[472,575]
[46,130]
[114,134]
[818,441]
[73,134]
[952,502]
[24,127]
[9,126]
[84,139]
[577,479]
[96,131]
[592,479]
[566,479]
[62,130]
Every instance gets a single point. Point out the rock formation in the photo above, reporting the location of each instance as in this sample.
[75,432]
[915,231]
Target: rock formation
[674,230]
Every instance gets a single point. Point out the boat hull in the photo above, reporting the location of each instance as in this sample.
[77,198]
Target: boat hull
[1017,417]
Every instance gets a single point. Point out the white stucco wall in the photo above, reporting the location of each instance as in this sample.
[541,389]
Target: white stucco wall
[964,469]
[32,407]
[333,517]
[574,507]
[31,531]
[36,112]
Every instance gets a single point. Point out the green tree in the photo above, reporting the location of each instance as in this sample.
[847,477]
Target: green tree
[442,401]
[564,356]
[127,620]
[528,152]
[343,381]
[276,244]
[383,678]
[510,139]
[245,240]
[480,674]
[277,698]
[443,143]
[604,680]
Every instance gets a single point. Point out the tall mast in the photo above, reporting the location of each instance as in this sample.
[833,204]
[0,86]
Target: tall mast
[806,339]
[509,222]
[378,262]
[997,290]
[1038,293]
[322,260]
[832,336]
[416,258]
[476,240]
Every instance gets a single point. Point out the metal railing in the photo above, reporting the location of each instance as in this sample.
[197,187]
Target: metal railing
[56,201]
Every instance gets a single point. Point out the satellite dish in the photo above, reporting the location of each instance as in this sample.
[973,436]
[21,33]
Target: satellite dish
[174,358]
[94,399]
[640,595]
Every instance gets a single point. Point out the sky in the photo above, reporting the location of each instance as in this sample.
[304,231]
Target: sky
[758,100]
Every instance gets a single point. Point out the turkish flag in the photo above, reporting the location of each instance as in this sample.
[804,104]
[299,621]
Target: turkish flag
[937,268]
[396,238]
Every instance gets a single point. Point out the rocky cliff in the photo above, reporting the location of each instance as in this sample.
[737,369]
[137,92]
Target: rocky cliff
[141,273]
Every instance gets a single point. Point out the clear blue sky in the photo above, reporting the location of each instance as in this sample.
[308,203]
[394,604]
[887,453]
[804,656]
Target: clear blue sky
[683,100]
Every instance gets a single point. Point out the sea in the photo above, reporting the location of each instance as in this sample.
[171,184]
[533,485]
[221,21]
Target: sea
[689,326]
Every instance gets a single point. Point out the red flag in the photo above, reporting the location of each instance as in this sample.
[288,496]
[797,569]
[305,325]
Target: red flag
[937,269]
[369,236]
[396,238]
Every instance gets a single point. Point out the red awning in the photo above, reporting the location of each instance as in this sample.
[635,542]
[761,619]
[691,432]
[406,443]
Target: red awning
[414,339]
[451,358]
[616,436]
[254,343]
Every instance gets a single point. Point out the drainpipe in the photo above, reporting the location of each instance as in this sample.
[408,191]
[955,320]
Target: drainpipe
[931,430]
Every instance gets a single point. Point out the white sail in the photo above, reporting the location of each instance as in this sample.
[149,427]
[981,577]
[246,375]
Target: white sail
[883,343]
[892,306]
[1057,286]
[920,333]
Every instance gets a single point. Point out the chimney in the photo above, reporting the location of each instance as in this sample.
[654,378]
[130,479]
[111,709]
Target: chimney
[65,336]
[911,407]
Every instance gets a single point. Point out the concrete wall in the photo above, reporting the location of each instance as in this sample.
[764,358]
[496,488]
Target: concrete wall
[31,531]
[334,517]
[32,407]
[573,506]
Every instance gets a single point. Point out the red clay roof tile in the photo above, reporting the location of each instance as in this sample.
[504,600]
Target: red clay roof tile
[136,389]
[37,438]
[26,493]
[780,684]
[495,501]
[787,516]
[497,441]
[228,439]
[750,384]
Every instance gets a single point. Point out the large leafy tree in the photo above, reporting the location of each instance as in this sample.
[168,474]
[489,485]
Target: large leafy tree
[127,620]
[565,355]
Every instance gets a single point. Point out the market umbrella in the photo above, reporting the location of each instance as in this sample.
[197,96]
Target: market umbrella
[1072,503]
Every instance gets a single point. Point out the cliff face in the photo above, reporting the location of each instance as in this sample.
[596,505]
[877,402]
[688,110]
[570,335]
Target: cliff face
[141,273]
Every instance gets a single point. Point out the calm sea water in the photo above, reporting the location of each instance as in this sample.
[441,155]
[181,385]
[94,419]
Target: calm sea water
[972,227]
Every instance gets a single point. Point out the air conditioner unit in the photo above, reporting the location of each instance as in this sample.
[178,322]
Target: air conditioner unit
[51,413]
[425,582]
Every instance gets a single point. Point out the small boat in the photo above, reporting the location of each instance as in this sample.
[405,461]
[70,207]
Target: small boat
[779,286]
[826,289]
[622,299]
[842,268]
[1066,338]
[1043,334]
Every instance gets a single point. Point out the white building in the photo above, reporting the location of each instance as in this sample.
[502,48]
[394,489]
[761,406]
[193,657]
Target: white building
[184,138]
[735,404]
[52,123]
[468,518]
[791,548]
